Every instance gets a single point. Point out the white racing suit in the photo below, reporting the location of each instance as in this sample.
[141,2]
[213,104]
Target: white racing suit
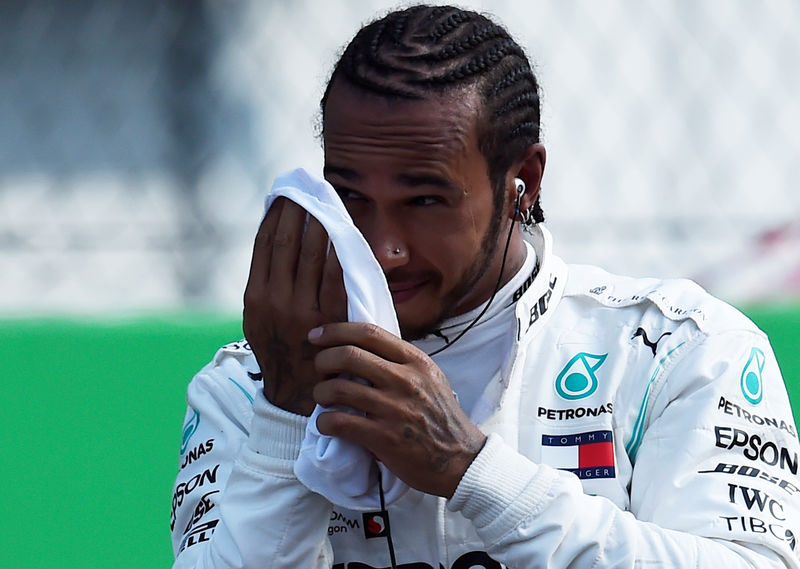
[642,424]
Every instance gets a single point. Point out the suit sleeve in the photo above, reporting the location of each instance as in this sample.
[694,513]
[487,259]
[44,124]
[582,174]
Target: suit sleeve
[714,477]
[236,501]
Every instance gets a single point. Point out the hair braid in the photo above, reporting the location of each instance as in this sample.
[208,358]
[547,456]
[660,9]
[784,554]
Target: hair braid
[463,45]
[516,75]
[521,101]
[425,50]
[452,22]
[480,63]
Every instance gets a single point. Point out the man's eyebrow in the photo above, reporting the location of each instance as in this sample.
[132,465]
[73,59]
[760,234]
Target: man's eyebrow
[408,180]
[413,181]
[346,173]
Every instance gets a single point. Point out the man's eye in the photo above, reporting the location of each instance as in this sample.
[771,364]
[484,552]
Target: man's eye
[425,200]
[347,195]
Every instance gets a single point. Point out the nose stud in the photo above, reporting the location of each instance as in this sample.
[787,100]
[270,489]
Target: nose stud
[396,251]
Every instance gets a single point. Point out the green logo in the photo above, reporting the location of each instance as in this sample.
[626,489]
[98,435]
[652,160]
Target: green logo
[189,429]
[751,377]
[578,380]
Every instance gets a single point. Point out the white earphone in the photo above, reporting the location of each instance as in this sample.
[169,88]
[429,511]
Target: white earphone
[520,184]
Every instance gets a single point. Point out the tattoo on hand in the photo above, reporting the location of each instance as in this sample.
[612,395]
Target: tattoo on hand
[281,385]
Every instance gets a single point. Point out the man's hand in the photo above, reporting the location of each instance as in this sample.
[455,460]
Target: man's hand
[413,422]
[295,284]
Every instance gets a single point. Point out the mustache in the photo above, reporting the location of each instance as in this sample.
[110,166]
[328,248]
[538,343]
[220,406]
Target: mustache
[403,276]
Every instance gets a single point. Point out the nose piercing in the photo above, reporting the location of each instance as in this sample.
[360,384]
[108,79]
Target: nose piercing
[396,251]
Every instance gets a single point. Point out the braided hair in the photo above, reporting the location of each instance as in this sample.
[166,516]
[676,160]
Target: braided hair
[422,50]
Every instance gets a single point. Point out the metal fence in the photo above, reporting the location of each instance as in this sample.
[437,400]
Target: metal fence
[138,139]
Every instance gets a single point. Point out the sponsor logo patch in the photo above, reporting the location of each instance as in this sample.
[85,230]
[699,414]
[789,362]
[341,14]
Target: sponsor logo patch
[541,306]
[653,345]
[753,447]
[753,498]
[578,380]
[375,524]
[185,488]
[204,505]
[339,523]
[196,453]
[746,471]
[189,428]
[469,560]
[200,534]
[752,386]
[242,346]
[587,455]
[731,408]
[576,413]
[751,524]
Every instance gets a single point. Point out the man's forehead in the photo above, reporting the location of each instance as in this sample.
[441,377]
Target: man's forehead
[346,101]
[426,139]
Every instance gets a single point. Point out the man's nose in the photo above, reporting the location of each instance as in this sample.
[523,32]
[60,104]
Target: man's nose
[391,255]
[390,250]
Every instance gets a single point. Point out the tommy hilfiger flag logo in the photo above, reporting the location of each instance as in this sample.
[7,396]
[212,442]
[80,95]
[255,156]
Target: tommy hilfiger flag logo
[587,455]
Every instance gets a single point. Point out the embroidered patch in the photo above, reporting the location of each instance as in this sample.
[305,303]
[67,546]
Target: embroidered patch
[578,380]
[752,387]
[587,455]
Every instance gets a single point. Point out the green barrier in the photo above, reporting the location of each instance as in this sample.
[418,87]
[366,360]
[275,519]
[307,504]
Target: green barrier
[92,414]
[782,325]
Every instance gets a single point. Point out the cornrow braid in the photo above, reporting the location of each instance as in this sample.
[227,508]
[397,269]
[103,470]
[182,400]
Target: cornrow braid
[451,22]
[521,73]
[423,50]
[520,101]
[463,45]
[480,63]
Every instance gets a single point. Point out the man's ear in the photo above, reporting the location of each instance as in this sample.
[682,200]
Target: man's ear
[530,170]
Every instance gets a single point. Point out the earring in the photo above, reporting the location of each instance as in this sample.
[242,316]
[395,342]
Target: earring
[526,217]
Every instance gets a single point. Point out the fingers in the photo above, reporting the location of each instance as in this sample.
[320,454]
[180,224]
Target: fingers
[311,263]
[286,247]
[369,337]
[356,362]
[262,248]
[356,428]
[291,256]
[340,391]
[332,295]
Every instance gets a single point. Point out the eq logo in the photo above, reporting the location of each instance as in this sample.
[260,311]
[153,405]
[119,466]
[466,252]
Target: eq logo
[752,387]
[375,524]
[189,429]
[578,380]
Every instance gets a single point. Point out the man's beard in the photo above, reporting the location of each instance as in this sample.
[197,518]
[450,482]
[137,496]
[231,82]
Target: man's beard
[471,276]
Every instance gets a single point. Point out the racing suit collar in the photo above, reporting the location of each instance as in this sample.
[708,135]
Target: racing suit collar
[537,297]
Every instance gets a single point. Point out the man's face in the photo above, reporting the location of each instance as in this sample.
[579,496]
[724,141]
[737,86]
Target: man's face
[416,185]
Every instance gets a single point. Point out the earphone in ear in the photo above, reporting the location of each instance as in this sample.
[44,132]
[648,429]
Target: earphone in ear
[520,184]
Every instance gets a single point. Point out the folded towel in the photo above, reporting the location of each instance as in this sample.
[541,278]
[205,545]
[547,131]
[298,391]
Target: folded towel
[342,471]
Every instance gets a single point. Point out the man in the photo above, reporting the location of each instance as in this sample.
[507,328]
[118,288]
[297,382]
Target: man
[597,420]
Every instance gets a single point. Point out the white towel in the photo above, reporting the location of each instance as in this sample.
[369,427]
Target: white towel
[342,471]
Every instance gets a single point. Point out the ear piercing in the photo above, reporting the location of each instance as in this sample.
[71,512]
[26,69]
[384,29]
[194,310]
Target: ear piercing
[527,216]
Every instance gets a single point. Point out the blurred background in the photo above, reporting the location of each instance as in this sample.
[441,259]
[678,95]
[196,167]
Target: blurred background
[138,139]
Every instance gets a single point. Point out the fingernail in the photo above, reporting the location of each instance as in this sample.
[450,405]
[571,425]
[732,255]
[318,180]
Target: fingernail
[315,333]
